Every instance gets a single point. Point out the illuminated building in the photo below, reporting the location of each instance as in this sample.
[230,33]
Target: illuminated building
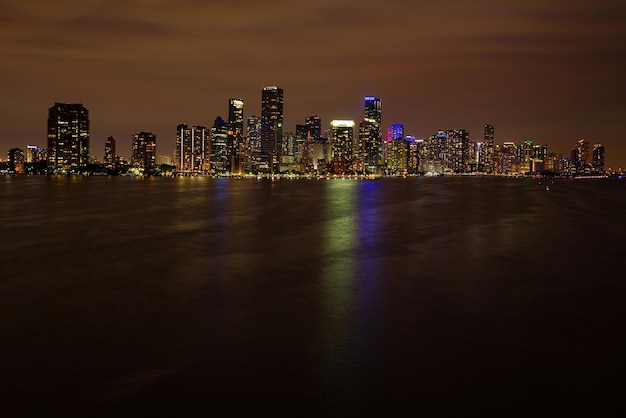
[144,151]
[31,153]
[235,142]
[109,153]
[342,143]
[485,150]
[314,126]
[396,148]
[598,158]
[68,137]
[370,145]
[414,146]
[16,160]
[457,146]
[252,143]
[432,154]
[219,147]
[271,128]
[193,146]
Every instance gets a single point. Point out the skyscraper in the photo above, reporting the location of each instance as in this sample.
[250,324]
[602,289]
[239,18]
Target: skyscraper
[68,137]
[235,135]
[598,158]
[342,145]
[457,150]
[219,147]
[271,127]
[109,153]
[192,149]
[485,154]
[144,151]
[370,143]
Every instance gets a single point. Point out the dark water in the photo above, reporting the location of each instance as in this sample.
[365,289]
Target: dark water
[227,297]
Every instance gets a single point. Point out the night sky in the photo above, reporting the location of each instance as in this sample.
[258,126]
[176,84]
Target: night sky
[549,71]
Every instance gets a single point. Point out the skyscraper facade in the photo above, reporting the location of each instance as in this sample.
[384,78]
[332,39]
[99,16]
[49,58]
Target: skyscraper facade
[252,144]
[485,155]
[342,145]
[193,145]
[68,137]
[219,147]
[144,151]
[598,158]
[370,143]
[271,127]
[109,153]
[235,136]
[457,149]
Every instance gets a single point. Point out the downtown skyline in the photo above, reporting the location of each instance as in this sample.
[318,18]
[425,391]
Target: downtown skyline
[547,73]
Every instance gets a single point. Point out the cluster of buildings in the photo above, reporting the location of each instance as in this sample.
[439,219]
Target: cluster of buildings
[256,145]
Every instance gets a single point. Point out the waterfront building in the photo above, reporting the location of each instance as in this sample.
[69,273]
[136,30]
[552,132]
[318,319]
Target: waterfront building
[252,143]
[16,161]
[236,146]
[68,137]
[271,128]
[486,150]
[396,148]
[370,142]
[598,158]
[144,151]
[193,147]
[457,146]
[31,153]
[342,143]
[219,147]
[109,153]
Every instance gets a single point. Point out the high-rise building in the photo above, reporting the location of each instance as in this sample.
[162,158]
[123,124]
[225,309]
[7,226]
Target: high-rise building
[144,151]
[16,160]
[252,144]
[219,147]
[31,153]
[193,147]
[370,142]
[342,145]
[485,156]
[271,127]
[457,150]
[235,136]
[314,127]
[68,137]
[109,153]
[396,148]
[598,158]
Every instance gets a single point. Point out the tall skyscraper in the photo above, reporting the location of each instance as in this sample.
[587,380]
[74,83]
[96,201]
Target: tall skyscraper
[109,153]
[342,145]
[598,158]
[271,127]
[235,135]
[68,137]
[314,126]
[252,144]
[144,151]
[457,150]
[485,155]
[16,160]
[396,148]
[370,142]
[192,149]
[219,147]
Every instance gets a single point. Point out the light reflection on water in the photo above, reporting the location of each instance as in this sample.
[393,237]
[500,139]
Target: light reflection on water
[344,294]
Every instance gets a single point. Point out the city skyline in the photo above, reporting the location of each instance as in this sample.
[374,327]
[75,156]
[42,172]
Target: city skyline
[551,74]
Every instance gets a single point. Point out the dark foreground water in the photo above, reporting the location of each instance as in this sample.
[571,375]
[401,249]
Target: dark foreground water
[226,297]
